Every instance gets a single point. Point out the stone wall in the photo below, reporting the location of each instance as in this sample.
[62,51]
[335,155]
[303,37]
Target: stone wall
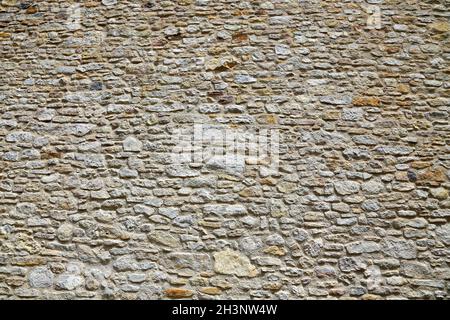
[92,204]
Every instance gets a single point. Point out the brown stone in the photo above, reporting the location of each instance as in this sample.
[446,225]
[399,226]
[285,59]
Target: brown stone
[403,88]
[32,10]
[371,297]
[440,26]
[268,181]
[240,37]
[432,175]
[275,250]
[272,286]
[178,293]
[366,101]
[211,290]
[29,261]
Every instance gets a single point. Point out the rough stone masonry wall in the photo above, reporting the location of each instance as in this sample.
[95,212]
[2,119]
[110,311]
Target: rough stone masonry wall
[92,207]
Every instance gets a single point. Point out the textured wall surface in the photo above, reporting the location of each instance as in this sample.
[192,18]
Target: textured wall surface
[93,206]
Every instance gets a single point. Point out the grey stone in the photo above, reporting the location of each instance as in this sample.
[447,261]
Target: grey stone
[244,79]
[399,248]
[346,187]
[225,209]
[20,137]
[413,269]
[282,50]
[69,281]
[443,233]
[181,171]
[372,187]
[300,235]
[359,247]
[65,232]
[132,144]
[233,164]
[26,208]
[40,277]
[109,2]
[336,100]
[188,260]
[169,212]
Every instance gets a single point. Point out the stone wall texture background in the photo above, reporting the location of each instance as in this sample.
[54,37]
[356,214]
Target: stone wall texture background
[91,206]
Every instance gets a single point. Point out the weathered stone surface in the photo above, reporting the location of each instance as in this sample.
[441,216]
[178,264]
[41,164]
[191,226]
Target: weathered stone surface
[193,261]
[225,209]
[132,144]
[366,101]
[346,187]
[65,232]
[399,248]
[443,233]
[109,2]
[69,282]
[234,263]
[164,238]
[199,149]
[362,247]
[178,293]
[335,100]
[40,277]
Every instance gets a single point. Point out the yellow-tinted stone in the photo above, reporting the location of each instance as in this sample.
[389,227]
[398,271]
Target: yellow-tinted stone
[275,250]
[178,293]
[211,290]
[366,101]
[440,26]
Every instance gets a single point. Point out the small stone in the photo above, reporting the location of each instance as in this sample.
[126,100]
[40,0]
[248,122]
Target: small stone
[26,208]
[244,79]
[359,247]
[171,31]
[439,193]
[346,187]
[170,213]
[128,263]
[132,144]
[352,114]
[336,100]
[165,238]
[349,264]
[225,209]
[178,293]
[137,277]
[413,269]
[233,263]
[440,26]
[300,235]
[275,250]
[366,101]
[181,171]
[109,2]
[443,233]
[32,9]
[184,260]
[211,290]
[128,173]
[399,248]
[40,277]
[373,187]
[282,50]
[65,232]
[20,137]
[69,281]
[232,164]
